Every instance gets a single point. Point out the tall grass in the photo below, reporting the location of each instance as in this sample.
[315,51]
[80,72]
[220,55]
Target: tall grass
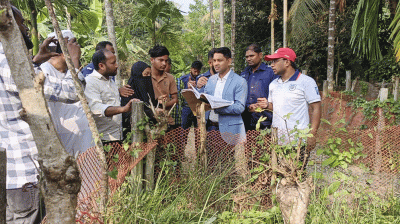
[204,197]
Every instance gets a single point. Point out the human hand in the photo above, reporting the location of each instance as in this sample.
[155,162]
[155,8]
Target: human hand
[262,103]
[44,53]
[128,106]
[202,82]
[162,98]
[74,50]
[311,143]
[252,107]
[126,91]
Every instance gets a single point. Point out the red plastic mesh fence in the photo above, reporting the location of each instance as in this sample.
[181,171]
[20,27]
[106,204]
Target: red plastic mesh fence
[378,136]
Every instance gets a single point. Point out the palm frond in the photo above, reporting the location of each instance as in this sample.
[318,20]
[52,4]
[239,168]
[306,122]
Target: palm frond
[364,32]
[395,36]
[302,14]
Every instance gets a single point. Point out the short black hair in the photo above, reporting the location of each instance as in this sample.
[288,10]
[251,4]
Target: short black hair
[197,65]
[158,51]
[254,47]
[103,45]
[211,54]
[169,61]
[99,57]
[293,65]
[225,51]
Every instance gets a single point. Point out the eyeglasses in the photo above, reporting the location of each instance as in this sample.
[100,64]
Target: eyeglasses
[276,60]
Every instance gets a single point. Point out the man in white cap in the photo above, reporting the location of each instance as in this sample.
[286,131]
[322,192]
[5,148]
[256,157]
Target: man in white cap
[292,93]
[69,120]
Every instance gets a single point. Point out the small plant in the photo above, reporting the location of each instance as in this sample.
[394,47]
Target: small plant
[340,154]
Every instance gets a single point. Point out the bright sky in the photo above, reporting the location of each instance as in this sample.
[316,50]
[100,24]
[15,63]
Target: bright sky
[184,5]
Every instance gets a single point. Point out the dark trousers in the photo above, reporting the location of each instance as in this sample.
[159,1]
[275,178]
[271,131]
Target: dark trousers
[188,118]
[24,206]
[211,126]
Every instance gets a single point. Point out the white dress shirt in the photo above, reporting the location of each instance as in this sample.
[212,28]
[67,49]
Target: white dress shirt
[102,93]
[219,89]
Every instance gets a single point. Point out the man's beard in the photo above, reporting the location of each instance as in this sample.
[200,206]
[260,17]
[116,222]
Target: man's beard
[213,69]
[28,41]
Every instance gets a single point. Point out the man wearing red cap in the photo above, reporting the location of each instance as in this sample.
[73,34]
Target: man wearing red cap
[292,93]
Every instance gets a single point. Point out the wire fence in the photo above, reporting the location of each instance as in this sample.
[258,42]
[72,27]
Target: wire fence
[371,141]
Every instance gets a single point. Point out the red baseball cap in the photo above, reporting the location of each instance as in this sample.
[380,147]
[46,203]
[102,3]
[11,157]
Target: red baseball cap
[285,52]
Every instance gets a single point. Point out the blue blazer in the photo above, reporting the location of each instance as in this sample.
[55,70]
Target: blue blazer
[230,120]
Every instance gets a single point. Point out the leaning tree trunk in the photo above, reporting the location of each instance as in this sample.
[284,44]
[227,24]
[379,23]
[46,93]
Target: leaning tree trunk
[86,109]
[331,44]
[111,34]
[293,200]
[221,22]
[285,9]
[61,183]
[212,23]
[233,35]
[34,26]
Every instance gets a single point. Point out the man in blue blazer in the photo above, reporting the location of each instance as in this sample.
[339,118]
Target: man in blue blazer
[229,86]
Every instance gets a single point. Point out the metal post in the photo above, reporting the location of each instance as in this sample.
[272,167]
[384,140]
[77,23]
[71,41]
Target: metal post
[137,136]
[3,194]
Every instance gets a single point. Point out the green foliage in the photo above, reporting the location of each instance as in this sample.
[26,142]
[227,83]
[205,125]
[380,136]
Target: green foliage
[390,108]
[339,153]
[272,215]
[384,68]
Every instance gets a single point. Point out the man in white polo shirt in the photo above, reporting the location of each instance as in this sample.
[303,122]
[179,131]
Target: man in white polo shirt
[292,93]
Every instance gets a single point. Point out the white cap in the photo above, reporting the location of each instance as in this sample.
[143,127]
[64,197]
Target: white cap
[66,34]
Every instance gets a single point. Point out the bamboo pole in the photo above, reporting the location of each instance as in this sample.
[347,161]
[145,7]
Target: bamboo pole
[3,186]
[137,137]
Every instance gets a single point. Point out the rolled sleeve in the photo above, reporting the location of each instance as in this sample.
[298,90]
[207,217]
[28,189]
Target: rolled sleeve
[93,96]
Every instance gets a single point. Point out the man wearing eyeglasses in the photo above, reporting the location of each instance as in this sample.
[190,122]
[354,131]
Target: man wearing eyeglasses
[292,93]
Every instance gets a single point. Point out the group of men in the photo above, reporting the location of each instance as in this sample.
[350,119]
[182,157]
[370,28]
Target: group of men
[271,92]
[260,91]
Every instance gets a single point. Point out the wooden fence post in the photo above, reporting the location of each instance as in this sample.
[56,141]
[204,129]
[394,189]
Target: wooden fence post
[274,158]
[396,88]
[304,72]
[203,135]
[383,95]
[353,86]
[137,136]
[325,88]
[348,80]
[3,187]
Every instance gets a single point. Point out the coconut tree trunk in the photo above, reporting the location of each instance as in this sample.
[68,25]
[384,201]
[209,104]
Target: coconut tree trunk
[34,28]
[86,109]
[285,23]
[212,23]
[61,182]
[331,44]
[221,22]
[233,35]
[272,16]
[111,34]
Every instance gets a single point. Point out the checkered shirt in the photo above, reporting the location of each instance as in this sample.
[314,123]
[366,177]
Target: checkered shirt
[15,134]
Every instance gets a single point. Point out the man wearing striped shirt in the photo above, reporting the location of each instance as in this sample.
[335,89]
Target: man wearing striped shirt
[16,136]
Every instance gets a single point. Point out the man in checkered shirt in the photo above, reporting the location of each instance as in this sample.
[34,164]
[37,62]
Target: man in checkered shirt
[15,134]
